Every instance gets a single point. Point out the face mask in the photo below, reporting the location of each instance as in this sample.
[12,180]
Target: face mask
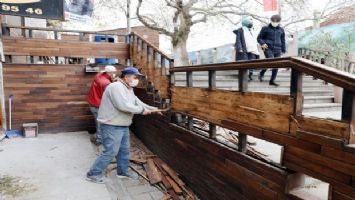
[275,24]
[134,83]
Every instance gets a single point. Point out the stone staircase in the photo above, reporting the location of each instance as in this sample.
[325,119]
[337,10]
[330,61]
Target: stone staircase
[318,96]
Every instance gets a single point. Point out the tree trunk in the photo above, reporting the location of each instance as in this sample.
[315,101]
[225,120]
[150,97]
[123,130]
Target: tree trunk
[181,57]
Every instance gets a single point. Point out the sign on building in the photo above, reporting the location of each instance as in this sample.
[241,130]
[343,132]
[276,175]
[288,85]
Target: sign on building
[47,9]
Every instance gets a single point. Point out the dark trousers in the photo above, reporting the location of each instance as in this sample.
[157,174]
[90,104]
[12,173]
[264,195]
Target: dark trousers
[271,54]
[247,56]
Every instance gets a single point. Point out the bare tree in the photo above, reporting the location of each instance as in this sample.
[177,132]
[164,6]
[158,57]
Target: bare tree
[175,18]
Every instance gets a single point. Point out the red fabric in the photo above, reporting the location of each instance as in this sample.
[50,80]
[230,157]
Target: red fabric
[270,5]
[100,82]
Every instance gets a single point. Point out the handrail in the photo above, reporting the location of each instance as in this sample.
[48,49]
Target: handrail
[152,46]
[331,75]
[60,30]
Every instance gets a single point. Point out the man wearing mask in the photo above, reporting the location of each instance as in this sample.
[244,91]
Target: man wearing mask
[246,43]
[272,41]
[98,85]
[117,108]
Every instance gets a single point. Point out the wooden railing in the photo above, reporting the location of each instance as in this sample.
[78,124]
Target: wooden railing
[154,64]
[321,148]
[53,45]
[57,34]
[342,63]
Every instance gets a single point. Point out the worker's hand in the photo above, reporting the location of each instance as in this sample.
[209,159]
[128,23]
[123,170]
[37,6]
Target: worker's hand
[264,46]
[146,112]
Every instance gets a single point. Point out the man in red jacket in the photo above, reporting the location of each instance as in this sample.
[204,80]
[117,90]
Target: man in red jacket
[100,82]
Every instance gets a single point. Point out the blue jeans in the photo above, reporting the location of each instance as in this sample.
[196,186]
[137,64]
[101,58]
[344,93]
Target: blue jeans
[95,111]
[269,53]
[115,140]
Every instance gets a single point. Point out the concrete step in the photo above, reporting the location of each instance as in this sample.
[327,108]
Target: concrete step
[318,99]
[321,107]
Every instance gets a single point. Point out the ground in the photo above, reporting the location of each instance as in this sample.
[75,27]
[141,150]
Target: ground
[53,166]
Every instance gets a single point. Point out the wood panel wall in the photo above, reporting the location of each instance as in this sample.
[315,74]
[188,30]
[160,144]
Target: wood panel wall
[54,96]
[312,146]
[18,46]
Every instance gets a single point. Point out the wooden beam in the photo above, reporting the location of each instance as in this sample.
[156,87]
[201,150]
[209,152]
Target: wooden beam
[296,91]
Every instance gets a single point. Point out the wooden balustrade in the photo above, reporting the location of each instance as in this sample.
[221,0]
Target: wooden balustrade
[57,33]
[153,63]
[321,148]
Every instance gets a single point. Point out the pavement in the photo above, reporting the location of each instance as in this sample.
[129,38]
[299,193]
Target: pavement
[53,167]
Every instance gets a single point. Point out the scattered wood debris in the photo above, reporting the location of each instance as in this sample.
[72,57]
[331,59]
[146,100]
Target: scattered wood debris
[155,171]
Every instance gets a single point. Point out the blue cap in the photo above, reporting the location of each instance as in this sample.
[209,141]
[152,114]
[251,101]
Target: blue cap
[131,71]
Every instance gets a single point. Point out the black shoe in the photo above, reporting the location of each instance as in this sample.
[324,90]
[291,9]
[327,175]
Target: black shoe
[261,78]
[250,77]
[274,84]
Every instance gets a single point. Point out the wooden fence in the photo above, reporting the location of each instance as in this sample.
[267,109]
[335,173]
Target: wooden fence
[321,148]
[53,95]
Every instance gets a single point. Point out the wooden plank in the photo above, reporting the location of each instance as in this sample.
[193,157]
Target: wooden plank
[326,127]
[43,47]
[152,172]
[338,155]
[174,185]
[321,160]
[319,139]
[54,96]
[257,109]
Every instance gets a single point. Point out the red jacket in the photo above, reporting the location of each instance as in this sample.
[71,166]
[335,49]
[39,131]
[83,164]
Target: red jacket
[100,82]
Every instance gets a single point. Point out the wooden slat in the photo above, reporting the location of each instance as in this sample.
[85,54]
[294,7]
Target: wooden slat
[54,96]
[41,47]
[261,110]
[152,171]
[330,128]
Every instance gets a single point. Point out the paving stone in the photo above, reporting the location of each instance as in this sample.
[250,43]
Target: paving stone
[156,195]
[135,190]
[144,196]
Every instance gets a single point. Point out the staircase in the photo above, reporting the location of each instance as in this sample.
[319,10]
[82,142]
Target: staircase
[318,96]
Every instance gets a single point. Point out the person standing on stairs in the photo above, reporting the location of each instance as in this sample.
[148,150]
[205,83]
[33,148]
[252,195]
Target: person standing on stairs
[246,43]
[118,105]
[98,85]
[272,41]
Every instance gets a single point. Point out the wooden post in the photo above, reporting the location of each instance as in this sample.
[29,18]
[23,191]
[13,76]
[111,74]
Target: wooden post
[296,91]
[243,87]
[212,80]
[348,112]
[212,131]
[212,86]
[23,24]
[189,84]
[30,35]
[243,80]
[242,142]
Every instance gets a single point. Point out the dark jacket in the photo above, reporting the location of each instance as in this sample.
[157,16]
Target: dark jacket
[274,37]
[240,45]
